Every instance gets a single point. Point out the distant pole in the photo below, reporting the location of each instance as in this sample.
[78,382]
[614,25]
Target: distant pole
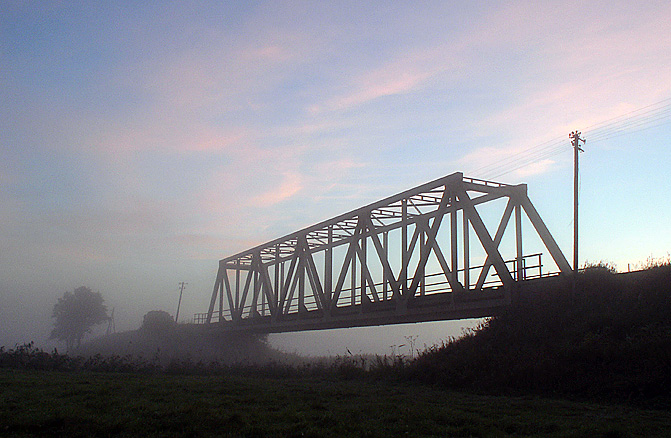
[179,303]
[111,327]
[575,137]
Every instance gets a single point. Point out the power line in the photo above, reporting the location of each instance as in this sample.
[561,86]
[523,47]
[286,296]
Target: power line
[502,167]
[527,156]
[644,118]
[638,110]
[531,160]
[632,126]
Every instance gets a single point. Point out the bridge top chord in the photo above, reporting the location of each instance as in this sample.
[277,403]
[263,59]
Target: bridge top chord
[420,201]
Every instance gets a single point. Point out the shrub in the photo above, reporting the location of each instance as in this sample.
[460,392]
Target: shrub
[158,321]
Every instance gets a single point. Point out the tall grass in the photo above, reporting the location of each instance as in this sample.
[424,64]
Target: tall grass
[29,357]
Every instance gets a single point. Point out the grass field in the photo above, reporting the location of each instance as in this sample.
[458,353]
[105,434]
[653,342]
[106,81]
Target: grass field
[39,403]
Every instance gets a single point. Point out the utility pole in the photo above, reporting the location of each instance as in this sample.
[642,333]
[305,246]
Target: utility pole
[575,141]
[111,327]
[179,303]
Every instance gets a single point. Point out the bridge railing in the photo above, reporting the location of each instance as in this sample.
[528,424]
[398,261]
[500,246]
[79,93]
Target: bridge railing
[532,268]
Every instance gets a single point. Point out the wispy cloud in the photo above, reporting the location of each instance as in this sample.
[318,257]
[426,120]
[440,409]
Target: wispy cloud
[290,184]
[407,73]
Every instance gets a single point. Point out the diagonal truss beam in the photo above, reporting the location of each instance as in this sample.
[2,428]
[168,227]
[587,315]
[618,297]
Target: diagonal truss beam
[385,257]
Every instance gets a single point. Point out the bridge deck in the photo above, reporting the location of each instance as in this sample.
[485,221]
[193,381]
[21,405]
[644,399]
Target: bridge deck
[436,307]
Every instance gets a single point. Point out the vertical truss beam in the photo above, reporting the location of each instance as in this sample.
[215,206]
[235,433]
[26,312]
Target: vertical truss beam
[392,251]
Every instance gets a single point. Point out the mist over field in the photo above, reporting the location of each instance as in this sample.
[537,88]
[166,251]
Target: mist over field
[23,323]
[142,143]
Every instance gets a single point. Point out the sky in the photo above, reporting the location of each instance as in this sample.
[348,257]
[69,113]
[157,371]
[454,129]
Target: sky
[141,142]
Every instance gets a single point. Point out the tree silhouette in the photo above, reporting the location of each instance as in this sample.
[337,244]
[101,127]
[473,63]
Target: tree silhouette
[76,313]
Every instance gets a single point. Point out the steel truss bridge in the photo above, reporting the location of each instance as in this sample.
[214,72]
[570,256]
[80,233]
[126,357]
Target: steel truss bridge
[425,254]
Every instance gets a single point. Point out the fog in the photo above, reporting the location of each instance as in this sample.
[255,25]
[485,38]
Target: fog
[28,292]
[380,340]
[22,319]
[28,319]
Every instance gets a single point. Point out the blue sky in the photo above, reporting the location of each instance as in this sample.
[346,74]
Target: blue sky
[143,141]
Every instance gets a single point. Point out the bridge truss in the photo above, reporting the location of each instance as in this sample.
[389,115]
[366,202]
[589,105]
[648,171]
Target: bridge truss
[421,255]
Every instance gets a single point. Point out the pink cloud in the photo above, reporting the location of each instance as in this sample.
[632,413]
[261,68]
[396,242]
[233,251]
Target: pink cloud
[290,185]
[406,73]
[254,176]
[158,131]
[243,198]
[270,53]
[380,85]
[531,169]
[217,142]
